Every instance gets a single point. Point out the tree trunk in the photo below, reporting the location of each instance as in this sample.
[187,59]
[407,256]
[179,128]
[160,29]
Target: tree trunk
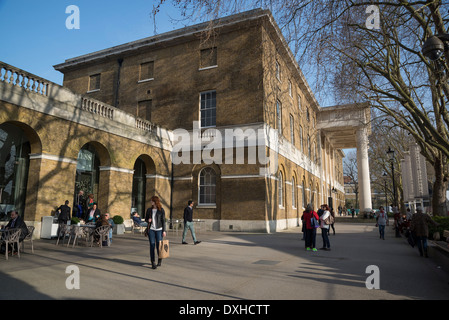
[439,189]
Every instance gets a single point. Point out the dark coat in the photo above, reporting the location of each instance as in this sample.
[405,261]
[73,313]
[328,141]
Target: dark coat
[160,218]
[18,223]
[188,214]
[64,216]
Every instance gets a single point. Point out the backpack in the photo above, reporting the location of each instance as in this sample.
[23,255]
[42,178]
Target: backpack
[329,219]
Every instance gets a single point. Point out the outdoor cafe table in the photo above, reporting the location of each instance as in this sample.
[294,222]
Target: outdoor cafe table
[86,230]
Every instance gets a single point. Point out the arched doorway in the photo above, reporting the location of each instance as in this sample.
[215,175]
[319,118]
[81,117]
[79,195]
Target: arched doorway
[87,171]
[14,164]
[139,187]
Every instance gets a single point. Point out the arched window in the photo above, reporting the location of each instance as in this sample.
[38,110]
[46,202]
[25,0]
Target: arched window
[280,190]
[293,193]
[207,186]
[14,165]
[304,201]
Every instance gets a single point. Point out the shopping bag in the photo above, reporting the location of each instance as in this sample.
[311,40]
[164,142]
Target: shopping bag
[164,249]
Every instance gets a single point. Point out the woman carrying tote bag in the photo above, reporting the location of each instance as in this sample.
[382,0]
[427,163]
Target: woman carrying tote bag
[155,217]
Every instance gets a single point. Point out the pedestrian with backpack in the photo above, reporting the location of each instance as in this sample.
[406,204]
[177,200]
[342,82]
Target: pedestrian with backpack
[326,220]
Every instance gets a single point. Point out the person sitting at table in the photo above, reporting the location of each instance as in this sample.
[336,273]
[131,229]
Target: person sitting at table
[102,221]
[138,220]
[93,214]
[16,222]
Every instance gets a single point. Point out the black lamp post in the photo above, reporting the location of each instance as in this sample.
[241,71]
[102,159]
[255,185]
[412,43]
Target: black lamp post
[385,185]
[391,154]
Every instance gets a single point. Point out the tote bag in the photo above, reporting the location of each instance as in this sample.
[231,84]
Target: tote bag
[164,249]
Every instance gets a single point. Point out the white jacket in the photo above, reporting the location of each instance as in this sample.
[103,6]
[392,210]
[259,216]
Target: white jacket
[324,217]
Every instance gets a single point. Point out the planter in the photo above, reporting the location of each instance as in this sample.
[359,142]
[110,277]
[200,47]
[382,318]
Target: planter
[118,229]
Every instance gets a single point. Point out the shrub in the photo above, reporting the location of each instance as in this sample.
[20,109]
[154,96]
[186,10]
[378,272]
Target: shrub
[118,219]
[74,220]
[443,224]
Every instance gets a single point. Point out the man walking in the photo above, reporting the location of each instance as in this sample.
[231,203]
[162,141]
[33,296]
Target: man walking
[188,223]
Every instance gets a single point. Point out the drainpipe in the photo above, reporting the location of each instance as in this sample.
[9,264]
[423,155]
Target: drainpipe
[117,85]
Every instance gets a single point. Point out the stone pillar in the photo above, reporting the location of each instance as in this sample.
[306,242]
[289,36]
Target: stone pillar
[115,190]
[363,170]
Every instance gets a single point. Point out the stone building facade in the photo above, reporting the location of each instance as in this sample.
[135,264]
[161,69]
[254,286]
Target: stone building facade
[258,148]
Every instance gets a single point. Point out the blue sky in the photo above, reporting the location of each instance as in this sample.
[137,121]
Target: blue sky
[34,36]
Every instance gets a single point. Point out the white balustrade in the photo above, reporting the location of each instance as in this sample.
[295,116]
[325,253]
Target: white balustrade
[23,79]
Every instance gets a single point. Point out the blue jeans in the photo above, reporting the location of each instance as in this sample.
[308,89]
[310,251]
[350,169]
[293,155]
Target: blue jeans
[155,237]
[325,235]
[421,243]
[188,225]
[382,231]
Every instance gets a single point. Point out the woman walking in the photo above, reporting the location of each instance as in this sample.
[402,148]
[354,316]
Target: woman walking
[381,222]
[155,217]
[325,228]
[310,229]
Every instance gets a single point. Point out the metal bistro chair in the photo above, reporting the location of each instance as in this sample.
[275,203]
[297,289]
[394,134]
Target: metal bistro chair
[30,238]
[103,233]
[11,236]
[138,227]
[64,230]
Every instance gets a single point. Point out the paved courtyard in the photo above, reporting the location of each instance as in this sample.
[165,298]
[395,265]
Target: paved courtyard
[228,266]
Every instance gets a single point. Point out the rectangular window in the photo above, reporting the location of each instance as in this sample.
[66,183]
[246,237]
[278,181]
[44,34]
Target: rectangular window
[299,102]
[290,90]
[278,71]
[144,109]
[208,58]
[279,116]
[146,71]
[208,109]
[301,147]
[292,130]
[94,82]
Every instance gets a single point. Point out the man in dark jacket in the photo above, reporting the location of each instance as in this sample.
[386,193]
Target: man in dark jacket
[16,222]
[188,223]
[64,214]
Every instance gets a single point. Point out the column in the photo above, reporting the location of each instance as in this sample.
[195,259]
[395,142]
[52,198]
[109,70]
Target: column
[363,170]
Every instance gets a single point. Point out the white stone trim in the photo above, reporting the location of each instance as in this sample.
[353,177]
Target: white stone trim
[156,176]
[104,168]
[52,157]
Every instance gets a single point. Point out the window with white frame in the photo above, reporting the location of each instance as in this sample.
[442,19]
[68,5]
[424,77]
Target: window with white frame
[208,109]
[292,130]
[279,116]
[293,193]
[299,102]
[304,200]
[280,190]
[278,71]
[207,186]
[290,89]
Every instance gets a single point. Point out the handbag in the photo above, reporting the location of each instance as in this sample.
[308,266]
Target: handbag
[314,222]
[164,249]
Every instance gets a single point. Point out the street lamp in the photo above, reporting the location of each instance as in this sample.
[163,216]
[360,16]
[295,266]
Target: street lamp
[384,175]
[391,154]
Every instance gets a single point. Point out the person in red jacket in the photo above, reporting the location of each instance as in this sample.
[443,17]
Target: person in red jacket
[310,229]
